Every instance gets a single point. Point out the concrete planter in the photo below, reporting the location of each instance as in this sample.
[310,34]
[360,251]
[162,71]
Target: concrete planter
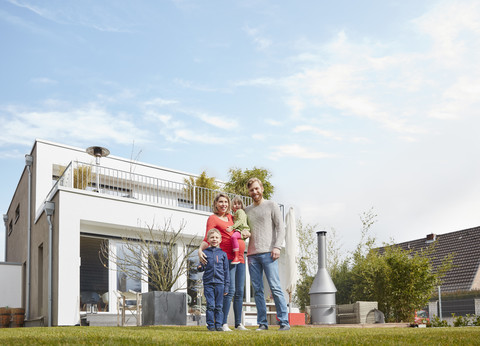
[164,308]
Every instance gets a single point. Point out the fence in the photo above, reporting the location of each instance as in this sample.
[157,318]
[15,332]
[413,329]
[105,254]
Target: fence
[100,179]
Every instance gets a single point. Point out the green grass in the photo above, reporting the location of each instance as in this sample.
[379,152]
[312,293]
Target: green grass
[299,335]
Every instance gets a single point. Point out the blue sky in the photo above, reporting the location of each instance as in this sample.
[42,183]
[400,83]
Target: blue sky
[350,104]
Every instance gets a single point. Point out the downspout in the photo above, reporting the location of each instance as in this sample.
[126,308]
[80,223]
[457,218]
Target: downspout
[28,164]
[5,220]
[49,209]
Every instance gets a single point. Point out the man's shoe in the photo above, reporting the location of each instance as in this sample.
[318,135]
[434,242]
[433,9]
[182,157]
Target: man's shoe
[240,327]
[284,327]
[262,327]
[225,328]
[219,329]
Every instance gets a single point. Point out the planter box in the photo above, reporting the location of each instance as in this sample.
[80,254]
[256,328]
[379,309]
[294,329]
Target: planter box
[164,308]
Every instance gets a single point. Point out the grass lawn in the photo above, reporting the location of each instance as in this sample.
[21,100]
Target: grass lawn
[301,335]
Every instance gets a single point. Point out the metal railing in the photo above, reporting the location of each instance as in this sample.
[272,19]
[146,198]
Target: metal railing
[109,181]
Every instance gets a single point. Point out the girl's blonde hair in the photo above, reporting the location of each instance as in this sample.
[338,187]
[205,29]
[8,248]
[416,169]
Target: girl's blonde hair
[238,199]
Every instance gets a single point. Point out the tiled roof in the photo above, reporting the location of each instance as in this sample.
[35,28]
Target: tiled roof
[466,262]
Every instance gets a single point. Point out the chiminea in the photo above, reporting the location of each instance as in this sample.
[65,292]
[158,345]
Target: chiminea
[322,292]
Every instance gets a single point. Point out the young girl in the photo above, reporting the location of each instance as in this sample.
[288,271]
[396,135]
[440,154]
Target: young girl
[240,224]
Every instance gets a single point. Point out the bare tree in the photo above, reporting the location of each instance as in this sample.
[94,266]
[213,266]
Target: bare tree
[155,256]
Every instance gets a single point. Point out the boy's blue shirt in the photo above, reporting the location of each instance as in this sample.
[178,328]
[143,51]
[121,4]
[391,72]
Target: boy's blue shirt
[217,267]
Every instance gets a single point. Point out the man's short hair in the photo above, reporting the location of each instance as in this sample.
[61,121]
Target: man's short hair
[212,231]
[252,180]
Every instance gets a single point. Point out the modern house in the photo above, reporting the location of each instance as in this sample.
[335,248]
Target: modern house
[71,200]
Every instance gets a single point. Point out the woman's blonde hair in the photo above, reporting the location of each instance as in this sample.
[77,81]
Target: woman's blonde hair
[238,199]
[217,197]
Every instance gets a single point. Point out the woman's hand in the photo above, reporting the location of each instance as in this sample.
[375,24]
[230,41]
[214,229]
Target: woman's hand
[201,256]
[229,229]
[245,234]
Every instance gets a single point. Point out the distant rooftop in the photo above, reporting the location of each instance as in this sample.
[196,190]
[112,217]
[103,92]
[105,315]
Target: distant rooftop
[465,244]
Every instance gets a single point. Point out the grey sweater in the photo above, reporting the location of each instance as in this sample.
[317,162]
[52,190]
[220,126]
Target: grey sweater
[267,228]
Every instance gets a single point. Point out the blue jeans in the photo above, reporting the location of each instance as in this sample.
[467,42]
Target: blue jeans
[257,265]
[214,296]
[235,291]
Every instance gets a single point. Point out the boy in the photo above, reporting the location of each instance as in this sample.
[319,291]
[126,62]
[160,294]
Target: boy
[216,280]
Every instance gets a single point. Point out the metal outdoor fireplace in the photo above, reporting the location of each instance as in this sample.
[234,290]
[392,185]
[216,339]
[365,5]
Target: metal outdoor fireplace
[322,292]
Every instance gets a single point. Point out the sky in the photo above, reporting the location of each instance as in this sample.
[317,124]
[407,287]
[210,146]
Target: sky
[351,105]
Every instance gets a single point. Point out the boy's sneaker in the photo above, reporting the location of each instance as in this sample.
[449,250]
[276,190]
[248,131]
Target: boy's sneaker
[285,327]
[262,327]
[225,328]
[240,327]
[212,329]
[219,329]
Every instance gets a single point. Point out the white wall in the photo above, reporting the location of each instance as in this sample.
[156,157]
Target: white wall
[89,212]
[11,292]
[49,153]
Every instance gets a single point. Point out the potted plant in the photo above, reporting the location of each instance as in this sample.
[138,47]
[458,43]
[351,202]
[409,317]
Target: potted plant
[153,256]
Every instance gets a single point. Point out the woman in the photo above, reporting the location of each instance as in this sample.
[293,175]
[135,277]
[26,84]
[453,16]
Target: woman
[221,219]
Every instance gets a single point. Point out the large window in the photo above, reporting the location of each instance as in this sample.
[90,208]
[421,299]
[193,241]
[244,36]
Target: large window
[196,301]
[127,257]
[93,275]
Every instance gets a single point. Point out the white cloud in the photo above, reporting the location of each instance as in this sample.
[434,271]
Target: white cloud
[85,124]
[43,80]
[261,42]
[317,131]
[257,82]
[93,15]
[297,151]
[273,122]
[192,85]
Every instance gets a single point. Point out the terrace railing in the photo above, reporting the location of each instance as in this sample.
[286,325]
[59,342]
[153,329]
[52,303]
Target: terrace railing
[110,181]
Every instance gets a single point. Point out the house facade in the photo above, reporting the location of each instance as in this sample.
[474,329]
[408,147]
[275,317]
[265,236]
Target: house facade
[68,203]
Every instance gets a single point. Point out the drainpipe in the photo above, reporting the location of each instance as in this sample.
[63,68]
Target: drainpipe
[28,164]
[5,220]
[49,209]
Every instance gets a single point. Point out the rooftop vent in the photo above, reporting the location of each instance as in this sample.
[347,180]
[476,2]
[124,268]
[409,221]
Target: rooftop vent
[431,238]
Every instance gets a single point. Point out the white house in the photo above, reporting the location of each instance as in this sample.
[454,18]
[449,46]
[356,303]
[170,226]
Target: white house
[66,203]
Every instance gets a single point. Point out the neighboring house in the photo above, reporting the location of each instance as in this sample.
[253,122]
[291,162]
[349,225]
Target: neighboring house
[58,243]
[465,245]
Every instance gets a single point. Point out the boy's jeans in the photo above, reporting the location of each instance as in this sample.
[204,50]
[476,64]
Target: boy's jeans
[257,264]
[214,296]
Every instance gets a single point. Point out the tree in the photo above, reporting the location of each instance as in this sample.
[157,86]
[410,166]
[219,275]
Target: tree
[399,280]
[201,187]
[238,181]
[307,263]
[153,256]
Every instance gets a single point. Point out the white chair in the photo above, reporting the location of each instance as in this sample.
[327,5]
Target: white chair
[130,301]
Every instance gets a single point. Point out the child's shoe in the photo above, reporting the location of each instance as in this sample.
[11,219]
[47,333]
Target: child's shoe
[236,259]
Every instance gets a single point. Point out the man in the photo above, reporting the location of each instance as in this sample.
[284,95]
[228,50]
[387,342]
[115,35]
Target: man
[267,235]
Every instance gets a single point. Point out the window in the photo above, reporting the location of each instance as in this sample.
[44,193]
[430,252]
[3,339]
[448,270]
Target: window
[17,213]
[10,227]
[196,305]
